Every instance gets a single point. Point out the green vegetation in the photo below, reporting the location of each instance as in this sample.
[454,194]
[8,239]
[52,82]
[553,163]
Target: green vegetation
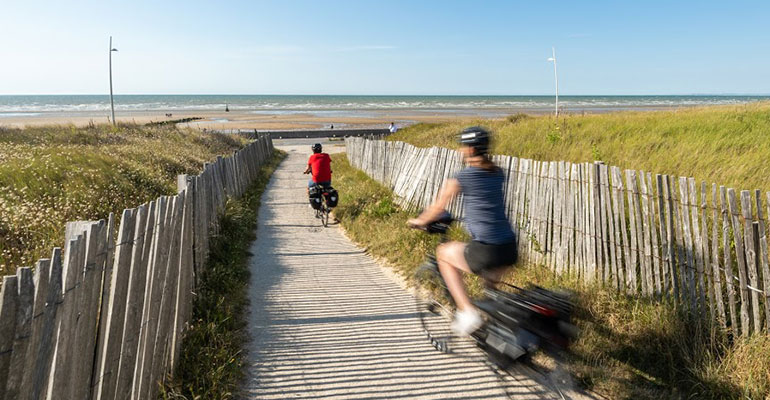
[629,347]
[727,145]
[54,174]
[210,365]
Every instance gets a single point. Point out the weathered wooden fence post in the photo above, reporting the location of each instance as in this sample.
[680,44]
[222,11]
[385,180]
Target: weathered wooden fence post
[106,323]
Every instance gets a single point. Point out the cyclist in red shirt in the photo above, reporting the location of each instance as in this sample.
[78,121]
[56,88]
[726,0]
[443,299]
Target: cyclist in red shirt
[319,165]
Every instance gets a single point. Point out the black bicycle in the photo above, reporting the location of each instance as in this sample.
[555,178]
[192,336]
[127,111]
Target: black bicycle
[323,213]
[517,322]
[323,199]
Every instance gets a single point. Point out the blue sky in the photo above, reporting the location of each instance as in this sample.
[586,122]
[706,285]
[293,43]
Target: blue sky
[379,47]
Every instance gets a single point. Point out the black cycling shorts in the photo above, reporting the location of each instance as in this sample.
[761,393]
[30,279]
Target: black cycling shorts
[489,257]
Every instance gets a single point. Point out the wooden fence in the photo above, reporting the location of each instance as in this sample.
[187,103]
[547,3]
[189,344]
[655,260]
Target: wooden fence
[703,247]
[103,317]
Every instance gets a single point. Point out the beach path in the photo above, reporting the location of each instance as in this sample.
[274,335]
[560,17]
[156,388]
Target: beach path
[327,322]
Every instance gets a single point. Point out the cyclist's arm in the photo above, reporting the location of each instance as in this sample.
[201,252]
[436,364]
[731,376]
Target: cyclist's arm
[450,189]
[307,170]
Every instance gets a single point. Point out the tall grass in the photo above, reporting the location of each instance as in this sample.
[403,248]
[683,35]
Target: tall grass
[53,174]
[629,348]
[728,145]
[211,361]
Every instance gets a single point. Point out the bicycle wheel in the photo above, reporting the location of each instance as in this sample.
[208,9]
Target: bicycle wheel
[324,213]
[435,306]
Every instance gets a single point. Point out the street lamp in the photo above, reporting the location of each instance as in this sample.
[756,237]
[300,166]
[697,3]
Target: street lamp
[556,78]
[112,103]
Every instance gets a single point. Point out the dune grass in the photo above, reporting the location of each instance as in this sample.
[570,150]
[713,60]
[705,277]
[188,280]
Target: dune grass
[211,361]
[629,348]
[53,174]
[727,145]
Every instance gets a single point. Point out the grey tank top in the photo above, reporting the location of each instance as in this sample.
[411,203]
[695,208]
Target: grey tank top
[484,206]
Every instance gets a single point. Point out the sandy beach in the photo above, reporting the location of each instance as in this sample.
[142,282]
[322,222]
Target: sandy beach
[272,112]
[278,119]
[220,120]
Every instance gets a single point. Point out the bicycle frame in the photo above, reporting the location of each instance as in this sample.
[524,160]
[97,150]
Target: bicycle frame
[518,323]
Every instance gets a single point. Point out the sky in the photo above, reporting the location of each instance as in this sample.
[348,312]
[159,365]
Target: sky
[385,47]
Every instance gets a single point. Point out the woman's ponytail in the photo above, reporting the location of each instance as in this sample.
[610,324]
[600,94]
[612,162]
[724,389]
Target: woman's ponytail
[486,164]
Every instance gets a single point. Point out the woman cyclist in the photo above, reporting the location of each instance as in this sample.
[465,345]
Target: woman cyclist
[493,245]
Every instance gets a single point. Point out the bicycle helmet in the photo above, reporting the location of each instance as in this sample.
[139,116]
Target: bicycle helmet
[317,148]
[475,137]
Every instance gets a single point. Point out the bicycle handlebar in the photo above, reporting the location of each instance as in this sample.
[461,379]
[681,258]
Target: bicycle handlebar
[440,225]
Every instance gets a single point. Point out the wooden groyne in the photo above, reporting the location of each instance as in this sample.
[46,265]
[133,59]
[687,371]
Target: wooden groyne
[317,133]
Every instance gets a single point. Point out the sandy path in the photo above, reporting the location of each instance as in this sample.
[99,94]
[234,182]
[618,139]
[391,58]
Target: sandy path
[327,322]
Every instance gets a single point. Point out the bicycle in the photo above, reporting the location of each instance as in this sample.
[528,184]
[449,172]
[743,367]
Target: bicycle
[323,199]
[323,213]
[517,322]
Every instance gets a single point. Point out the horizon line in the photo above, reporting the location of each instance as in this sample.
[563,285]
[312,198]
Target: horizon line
[392,95]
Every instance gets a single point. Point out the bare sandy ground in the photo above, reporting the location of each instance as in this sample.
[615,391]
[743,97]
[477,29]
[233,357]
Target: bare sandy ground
[326,321]
[221,120]
[283,119]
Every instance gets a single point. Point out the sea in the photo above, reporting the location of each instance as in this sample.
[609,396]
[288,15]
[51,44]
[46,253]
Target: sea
[32,105]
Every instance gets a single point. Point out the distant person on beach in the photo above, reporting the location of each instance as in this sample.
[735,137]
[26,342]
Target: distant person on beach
[319,166]
[393,128]
[331,127]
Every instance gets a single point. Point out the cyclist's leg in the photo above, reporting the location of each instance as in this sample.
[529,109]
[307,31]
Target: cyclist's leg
[451,264]
[493,277]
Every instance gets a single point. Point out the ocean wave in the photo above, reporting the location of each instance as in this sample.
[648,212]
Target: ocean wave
[18,114]
[52,104]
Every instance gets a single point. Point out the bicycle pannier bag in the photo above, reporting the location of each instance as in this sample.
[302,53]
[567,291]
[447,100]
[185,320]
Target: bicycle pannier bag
[331,197]
[315,197]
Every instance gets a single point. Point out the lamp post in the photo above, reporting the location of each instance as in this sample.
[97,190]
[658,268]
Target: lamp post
[112,103]
[556,79]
